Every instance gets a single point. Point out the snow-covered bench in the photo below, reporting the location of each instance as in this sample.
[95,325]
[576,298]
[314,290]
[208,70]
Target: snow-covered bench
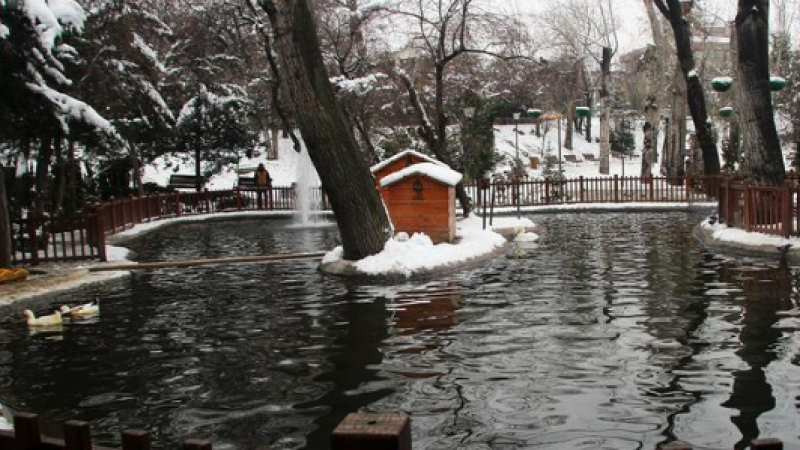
[185,181]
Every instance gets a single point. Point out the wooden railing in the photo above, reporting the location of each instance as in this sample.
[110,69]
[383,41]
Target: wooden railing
[83,236]
[764,209]
[357,431]
[597,190]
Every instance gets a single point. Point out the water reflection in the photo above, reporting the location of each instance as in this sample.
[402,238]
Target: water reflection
[614,331]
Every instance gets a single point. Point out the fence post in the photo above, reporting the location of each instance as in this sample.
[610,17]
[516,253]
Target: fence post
[208,201]
[786,211]
[178,203]
[77,435]
[546,191]
[100,239]
[687,182]
[135,440]
[26,430]
[652,191]
[616,188]
[580,185]
[373,432]
[747,207]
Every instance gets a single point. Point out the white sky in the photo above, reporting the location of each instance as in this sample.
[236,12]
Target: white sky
[635,30]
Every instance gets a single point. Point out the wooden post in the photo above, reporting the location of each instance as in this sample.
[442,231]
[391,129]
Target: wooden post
[178,203]
[616,188]
[26,430]
[77,435]
[196,444]
[766,444]
[652,191]
[360,431]
[580,183]
[33,244]
[786,210]
[687,183]
[135,440]
[746,222]
[238,195]
[100,238]
[546,191]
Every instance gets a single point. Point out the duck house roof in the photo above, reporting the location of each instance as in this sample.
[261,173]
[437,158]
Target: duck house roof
[437,172]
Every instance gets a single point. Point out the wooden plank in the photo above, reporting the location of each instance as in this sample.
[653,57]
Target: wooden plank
[206,262]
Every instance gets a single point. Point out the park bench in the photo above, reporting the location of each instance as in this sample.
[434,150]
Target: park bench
[589,157]
[185,181]
[246,182]
[571,159]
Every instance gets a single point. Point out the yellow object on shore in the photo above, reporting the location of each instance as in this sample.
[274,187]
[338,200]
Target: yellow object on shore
[11,275]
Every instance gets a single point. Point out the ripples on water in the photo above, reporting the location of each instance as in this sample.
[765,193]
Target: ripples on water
[613,331]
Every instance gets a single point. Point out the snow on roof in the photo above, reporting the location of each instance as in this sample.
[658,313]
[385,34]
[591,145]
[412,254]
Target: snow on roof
[402,155]
[440,173]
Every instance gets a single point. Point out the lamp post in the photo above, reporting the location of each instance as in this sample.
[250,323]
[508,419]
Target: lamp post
[469,113]
[516,169]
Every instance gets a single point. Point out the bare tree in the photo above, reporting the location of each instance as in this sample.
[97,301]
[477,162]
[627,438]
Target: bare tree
[582,28]
[445,30]
[673,12]
[363,223]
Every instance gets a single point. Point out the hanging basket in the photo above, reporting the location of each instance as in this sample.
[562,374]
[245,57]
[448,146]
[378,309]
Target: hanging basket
[582,111]
[726,112]
[534,113]
[777,83]
[721,84]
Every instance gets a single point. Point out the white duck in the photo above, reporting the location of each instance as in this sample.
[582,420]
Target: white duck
[523,235]
[43,321]
[87,309]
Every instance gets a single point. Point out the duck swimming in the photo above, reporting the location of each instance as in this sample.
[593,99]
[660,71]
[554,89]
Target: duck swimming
[43,321]
[87,309]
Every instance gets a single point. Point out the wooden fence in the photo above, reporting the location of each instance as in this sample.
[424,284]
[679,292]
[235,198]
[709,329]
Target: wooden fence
[356,431]
[763,209]
[83,236]
[614,189]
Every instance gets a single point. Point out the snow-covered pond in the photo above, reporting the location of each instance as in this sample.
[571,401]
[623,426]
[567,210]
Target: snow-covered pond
[613,330]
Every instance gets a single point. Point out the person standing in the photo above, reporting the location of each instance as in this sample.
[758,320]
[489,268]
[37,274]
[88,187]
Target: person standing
[263,183]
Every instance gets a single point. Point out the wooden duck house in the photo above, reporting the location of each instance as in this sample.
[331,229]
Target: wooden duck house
[421,199]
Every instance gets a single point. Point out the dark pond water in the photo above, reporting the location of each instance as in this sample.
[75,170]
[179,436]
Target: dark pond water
[615,331]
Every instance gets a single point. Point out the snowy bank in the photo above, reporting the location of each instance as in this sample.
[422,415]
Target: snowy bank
[406,256]
[720,235]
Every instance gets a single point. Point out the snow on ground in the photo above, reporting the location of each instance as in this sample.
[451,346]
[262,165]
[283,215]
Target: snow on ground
[283,171]
[407,256]
[722,233]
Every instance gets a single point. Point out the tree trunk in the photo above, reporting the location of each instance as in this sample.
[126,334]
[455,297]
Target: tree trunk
[570,124]
[675,137]
[762,156]
[647,151]
[360,214]
[5,223]
[605,131]
[589,117]
[696,95]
